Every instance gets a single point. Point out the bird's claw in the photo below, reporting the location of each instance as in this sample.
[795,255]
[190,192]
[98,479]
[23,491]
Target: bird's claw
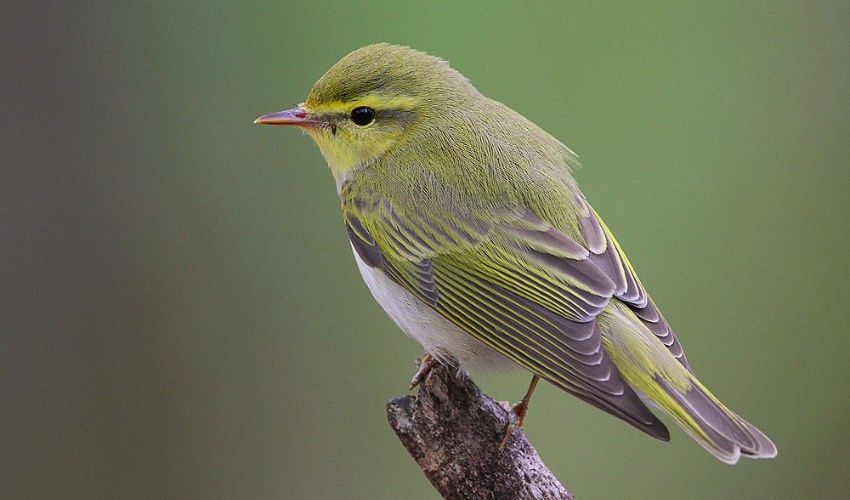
[425,366]
[516,417]
[516,420]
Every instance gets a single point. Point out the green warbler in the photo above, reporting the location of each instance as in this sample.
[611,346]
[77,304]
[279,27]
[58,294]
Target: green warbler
[471,233]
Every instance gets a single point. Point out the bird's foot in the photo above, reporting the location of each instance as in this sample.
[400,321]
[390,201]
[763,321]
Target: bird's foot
[516,420]
[516,417]
[425,366]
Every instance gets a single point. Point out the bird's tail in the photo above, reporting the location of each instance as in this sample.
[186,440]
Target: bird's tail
[715,427]
[661,380]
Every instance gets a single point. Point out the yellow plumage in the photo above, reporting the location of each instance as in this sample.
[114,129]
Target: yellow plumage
[472,234]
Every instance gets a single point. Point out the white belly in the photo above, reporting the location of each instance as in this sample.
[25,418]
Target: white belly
[439,337]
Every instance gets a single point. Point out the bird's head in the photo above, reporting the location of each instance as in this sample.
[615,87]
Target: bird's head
[371,100]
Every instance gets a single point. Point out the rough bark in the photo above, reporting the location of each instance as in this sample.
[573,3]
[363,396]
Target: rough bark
[453,430]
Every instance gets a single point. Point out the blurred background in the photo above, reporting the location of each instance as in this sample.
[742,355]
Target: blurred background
[181,316]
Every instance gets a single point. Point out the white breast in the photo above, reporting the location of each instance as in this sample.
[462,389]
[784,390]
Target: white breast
[418,320]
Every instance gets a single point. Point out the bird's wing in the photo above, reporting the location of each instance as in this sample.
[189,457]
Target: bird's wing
[512,281]
[608,255]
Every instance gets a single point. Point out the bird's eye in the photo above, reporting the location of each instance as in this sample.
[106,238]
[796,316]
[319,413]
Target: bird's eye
[363,115]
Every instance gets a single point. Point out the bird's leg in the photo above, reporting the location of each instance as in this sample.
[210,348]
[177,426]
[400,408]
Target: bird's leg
[518,412]
[425,366]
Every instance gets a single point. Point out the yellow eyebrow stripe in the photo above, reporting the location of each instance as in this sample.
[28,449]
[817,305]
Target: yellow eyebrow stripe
[401,103]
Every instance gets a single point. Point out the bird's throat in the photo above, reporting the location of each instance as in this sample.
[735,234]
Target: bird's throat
[340,157]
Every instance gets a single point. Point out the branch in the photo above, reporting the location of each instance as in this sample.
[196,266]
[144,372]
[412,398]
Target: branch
[453,430]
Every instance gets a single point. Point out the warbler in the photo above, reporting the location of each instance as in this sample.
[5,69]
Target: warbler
[468,228]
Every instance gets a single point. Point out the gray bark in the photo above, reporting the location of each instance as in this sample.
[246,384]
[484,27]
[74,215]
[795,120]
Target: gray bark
[453,430]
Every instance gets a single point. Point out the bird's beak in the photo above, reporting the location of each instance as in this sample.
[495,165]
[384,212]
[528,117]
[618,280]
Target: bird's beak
[295,116]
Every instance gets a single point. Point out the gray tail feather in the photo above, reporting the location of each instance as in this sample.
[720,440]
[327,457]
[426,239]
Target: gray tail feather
[718,429]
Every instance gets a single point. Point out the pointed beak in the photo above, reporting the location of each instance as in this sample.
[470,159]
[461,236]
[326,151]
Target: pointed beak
[295,116]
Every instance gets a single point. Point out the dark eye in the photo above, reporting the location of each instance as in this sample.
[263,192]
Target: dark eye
[363,115]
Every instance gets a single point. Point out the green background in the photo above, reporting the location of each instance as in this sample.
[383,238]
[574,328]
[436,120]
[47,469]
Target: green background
[181,313]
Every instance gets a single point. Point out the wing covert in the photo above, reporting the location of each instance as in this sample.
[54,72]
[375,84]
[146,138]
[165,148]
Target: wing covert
[512,281]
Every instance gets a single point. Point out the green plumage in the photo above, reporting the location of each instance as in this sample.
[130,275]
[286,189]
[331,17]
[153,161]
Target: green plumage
[473,209]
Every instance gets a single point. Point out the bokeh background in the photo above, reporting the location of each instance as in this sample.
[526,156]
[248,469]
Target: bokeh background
[181,316]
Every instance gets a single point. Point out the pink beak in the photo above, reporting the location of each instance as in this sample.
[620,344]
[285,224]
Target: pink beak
[295,116]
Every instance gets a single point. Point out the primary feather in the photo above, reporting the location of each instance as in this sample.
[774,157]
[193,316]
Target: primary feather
[471,209]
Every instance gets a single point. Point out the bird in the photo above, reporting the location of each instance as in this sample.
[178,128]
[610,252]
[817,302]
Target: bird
[470,231]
